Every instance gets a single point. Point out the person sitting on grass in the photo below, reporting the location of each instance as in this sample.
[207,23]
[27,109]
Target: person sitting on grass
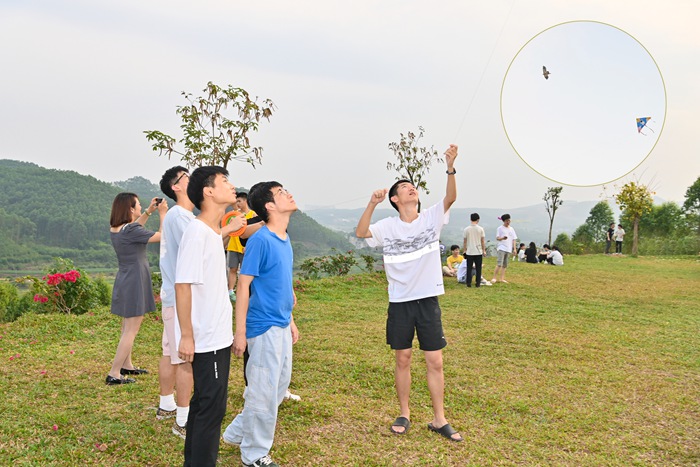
[543,254]
[531,254]
[453,261]
[554,257]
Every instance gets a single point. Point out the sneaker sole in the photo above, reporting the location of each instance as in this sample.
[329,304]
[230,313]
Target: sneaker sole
[176,432]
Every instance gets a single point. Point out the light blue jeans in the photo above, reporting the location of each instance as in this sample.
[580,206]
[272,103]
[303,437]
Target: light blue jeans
[269,371]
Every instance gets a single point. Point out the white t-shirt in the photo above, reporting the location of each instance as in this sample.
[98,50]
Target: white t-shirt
[619,234]
[201,262]
[412,254]
[507,244]
[557,258]
[473,235]
[176,221]
[521,255]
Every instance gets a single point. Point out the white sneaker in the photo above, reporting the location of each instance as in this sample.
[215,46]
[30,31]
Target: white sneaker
[291,397]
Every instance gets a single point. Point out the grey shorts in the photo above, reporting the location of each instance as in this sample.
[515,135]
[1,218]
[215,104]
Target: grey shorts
[502,259]
[234,259]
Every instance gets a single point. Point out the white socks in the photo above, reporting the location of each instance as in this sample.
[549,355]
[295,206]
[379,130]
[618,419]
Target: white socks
[182,413]
[168,402]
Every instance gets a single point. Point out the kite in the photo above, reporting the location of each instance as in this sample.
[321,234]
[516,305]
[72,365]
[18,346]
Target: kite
[545,73]
[642,123]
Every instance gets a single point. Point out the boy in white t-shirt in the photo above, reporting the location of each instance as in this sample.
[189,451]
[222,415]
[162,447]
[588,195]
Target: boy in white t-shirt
[506,236]
[410,244]
[204,312]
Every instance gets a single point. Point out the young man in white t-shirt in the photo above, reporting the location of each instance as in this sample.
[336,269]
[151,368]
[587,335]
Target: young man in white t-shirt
[204,313]
[506,237]
[173,371]
[412,263]
[474,248]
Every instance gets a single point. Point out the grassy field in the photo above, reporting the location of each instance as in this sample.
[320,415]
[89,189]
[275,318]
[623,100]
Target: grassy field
[595,363]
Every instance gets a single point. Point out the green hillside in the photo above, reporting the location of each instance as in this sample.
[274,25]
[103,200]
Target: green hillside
[46,213]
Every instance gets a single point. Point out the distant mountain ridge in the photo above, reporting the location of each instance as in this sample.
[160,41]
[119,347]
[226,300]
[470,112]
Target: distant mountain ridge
[47,212]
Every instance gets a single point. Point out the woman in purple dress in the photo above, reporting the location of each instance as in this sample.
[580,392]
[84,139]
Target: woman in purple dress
[132,295]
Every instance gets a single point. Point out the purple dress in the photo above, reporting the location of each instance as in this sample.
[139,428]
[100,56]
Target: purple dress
[132,294]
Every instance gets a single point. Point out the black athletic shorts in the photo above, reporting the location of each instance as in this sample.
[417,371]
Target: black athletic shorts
[421,315]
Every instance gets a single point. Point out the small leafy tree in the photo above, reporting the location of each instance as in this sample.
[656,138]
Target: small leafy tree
[593,230]
[691,205]
[635,200]
[209,136]
[413,162]
[552,200]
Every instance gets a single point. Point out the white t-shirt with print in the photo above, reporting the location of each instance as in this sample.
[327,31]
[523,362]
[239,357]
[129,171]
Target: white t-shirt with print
[412,254]
[507,244]
[201,262]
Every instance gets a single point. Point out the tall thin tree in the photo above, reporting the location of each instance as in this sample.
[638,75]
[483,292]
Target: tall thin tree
[552,200]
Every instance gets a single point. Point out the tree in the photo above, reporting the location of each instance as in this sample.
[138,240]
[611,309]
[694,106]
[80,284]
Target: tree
[552,200]
[413,162]
[691,206]
[635,200]
[664,220]
[210,137]
[597,222]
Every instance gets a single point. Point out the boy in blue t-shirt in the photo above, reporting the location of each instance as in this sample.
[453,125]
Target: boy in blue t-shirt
[264,323]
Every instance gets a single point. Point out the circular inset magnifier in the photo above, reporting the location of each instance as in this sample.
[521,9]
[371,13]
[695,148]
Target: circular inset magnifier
[583,103]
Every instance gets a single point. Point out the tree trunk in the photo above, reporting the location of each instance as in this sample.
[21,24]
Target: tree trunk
[549,237]
[635,238]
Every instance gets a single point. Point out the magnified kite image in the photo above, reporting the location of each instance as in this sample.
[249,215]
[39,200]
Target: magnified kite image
[642,123]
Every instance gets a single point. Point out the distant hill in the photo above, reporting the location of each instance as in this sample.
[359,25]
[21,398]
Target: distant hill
[531,222]
[46,213]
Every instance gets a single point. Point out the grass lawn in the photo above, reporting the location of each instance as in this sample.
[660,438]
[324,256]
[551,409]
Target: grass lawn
[594,363]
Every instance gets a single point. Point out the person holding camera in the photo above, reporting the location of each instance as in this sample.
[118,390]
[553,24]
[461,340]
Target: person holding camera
[132,294]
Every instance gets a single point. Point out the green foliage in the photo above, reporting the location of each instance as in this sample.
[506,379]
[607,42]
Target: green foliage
[102,291]
[8,298]
[335,264]
[635,200]
[64,289]
[369,262]
[683,245]
[552,201]
[563,242]
[412,162]
[664,220]
[209,136]
[691,205]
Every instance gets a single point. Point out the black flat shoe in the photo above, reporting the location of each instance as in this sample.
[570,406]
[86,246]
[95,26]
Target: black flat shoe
[135,371]
[111,380]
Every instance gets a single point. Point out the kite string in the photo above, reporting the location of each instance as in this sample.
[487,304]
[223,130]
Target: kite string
[483,72]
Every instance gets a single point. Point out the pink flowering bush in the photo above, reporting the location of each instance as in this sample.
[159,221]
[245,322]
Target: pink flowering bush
[65,289]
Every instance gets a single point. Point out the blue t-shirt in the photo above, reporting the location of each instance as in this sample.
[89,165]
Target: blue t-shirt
[269,260]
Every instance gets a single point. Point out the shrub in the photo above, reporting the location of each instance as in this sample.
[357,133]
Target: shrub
[8,298]
[64,289]
[338,264]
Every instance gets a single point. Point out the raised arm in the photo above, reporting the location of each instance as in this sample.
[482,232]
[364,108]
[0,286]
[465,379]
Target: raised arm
[451,191]
[362,230]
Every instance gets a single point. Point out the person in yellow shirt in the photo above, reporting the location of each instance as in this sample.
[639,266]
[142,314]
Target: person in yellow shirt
[450,269]
[235,249]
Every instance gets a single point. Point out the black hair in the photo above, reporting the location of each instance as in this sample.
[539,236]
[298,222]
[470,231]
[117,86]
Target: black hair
[505,217]
[394,188]
[474,216]
[545,246]
[168,179]
[532,245]
[259,195]
[454,247]
[241,194]
[200,178]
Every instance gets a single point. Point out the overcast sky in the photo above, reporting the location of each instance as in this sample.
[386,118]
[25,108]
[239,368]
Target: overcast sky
[81,81]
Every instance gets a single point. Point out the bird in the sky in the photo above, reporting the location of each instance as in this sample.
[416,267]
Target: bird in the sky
[545,73]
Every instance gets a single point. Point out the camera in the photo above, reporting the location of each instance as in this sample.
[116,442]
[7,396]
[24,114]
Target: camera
[158,201]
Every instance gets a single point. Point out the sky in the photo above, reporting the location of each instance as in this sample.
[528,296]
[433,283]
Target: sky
[81,80]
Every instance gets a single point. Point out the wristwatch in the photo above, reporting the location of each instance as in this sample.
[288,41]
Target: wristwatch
[454,171]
